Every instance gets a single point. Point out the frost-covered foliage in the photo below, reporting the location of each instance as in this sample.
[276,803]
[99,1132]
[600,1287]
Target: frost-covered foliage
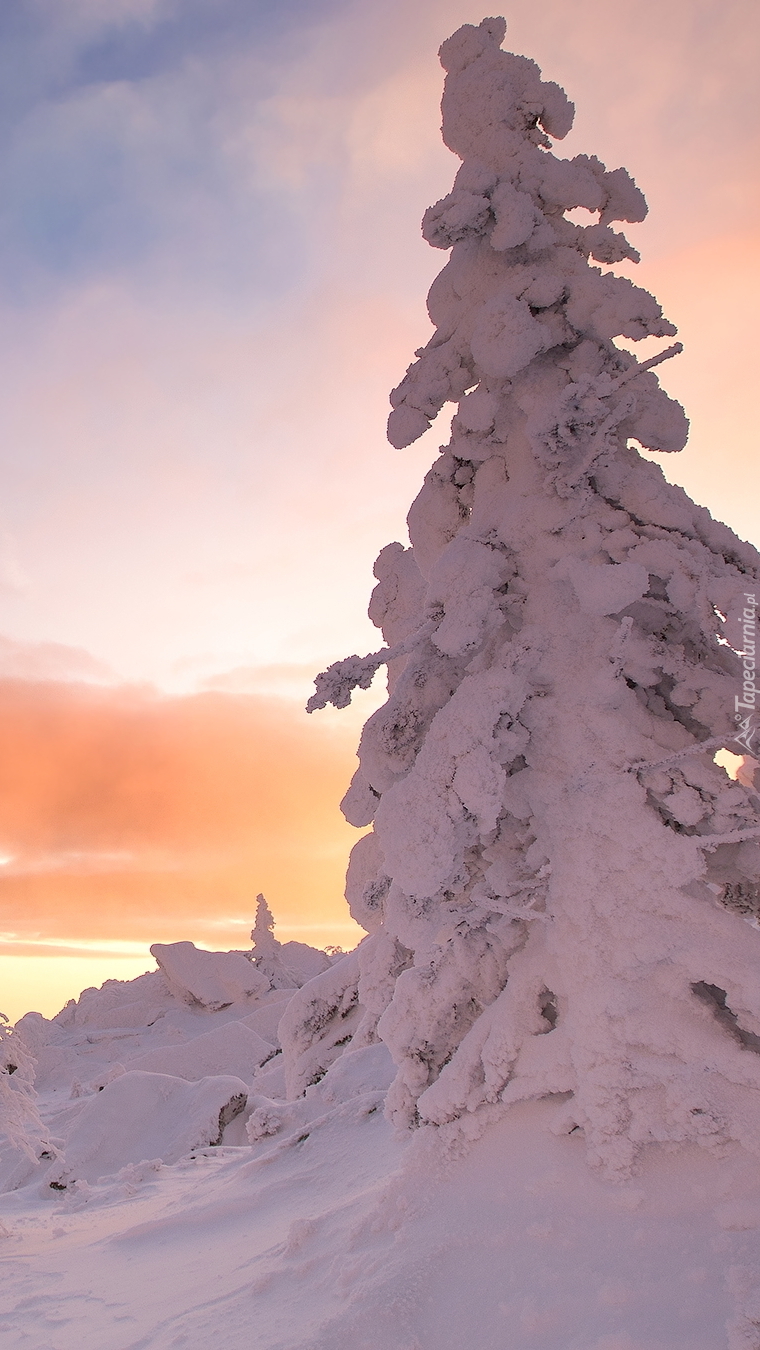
[318,1021]
[519,284]
[558,877]
[20,1122]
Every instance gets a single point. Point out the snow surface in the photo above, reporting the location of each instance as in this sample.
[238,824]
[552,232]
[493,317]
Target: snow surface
[525,1112]
[314,1225]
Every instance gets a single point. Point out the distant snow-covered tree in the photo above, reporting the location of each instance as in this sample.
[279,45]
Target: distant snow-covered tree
[558,877]
[264,941]
[267,951]
[286,965]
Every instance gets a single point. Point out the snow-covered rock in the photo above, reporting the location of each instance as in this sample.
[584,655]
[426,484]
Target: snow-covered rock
[145,1116]
[211,979]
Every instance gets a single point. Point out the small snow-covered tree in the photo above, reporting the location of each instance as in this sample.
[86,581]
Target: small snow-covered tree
[267,951]
[265,943]
[558,877]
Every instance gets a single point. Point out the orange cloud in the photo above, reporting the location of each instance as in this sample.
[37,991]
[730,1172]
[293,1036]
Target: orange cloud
[131,816]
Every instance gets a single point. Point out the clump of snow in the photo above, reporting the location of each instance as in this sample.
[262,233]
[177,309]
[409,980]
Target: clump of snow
[210,979]
[118,1003]
[265,1019]
[557,867]
[356,1072]
[22,1129]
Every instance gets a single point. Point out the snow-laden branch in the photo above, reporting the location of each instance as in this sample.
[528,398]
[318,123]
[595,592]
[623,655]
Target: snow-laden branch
[653,361]
[336,684]
[698,747]
[711,841]
[604,388]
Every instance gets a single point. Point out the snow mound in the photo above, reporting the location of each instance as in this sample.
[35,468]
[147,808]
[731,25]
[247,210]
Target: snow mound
[229,1049]
[212,979]
[117,1003]
[335,1233]
[302,961]
[141,1116]
[356,1072]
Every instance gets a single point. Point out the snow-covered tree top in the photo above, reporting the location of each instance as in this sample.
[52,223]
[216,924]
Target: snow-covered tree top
[519,285]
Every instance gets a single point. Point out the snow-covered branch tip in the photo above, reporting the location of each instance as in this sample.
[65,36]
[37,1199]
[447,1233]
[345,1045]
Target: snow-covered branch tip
[336,684]
[653,361]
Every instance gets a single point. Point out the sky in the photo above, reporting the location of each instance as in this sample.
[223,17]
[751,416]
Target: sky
[211,275]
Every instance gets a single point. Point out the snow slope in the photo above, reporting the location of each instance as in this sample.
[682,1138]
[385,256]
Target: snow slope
[348,1239]
[315,1226]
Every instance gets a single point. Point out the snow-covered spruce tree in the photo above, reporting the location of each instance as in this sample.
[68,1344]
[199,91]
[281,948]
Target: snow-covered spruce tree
[267,951]
[558,872]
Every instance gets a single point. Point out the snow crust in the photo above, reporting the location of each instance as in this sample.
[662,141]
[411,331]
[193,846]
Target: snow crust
[328,1231]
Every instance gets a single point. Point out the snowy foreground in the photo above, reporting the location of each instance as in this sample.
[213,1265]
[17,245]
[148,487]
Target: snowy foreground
[330,1230]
